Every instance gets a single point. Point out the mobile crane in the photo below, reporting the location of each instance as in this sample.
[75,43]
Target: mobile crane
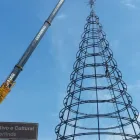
[10,81]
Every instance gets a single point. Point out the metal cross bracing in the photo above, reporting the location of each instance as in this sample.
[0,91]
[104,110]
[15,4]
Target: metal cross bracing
[97,105]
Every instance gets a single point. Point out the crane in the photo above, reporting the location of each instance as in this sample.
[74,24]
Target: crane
[6,87]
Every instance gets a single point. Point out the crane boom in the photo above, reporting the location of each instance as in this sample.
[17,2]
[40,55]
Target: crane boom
[10,81]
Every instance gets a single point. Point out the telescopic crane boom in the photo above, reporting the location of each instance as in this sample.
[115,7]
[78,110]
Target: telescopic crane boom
[10,81]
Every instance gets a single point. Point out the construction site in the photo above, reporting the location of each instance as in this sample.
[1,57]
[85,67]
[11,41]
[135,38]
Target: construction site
[70,70]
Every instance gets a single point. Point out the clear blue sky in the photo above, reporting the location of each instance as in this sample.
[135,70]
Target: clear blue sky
[41,87]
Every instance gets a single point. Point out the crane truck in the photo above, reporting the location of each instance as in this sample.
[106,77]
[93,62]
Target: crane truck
[10,81]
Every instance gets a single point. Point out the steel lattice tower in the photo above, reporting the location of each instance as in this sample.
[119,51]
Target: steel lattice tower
[97,105]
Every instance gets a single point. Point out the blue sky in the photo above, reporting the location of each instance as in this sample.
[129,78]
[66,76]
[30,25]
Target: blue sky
[41,87]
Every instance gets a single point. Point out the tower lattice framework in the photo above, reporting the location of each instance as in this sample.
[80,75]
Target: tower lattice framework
[97,105]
